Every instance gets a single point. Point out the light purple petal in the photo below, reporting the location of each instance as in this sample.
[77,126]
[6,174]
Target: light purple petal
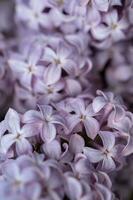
[76,144]
[17,66]
[52,74]
[7,141]
[98,103]
[100,32]
[13,120]
[91,127]
[31,116]
[53,149]
[29,130]
[108,139]
[93,155]
[102,5]
[108,164]
[23,146]
[49,132]
[74,189]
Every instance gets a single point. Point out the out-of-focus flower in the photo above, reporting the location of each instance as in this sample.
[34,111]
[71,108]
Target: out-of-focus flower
[33,13]
[113,28]
[26,69]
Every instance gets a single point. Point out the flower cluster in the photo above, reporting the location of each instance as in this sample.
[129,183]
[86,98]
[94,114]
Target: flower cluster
[77,141]
[65,131]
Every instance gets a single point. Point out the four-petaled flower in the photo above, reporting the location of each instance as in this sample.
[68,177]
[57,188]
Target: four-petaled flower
[45,121]
[16,135]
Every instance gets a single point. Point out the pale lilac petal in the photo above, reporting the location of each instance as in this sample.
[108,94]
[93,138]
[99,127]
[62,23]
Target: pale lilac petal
[63,50]
[93,155]
[52,74]
[73,87]
[108,139]
[74,189]
[76,144]
[100,32]
[111,18]
[78,106]
[36,191]
[57,119]
[37,5]
[12,118]
[118,35]
[35,55]
[17,66]
[49,132]
[91,127]
[52,149]
[26,78]
[29,130]
[3,127]
[72,121]
[28,175]
[46,111]
[119,113]
[93,18]
[129,147]
[98,103]
[23,146]
[108,164]
[102,5]
[21,8]
[123,125]
[12,172]
[69,66]
[31,116]
[6,142]
[106,194]
[123,24]
[49,55]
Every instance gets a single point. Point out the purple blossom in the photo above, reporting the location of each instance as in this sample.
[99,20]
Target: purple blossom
[106,154]
[114,27]
[45,121]
[65,132]
[17,135]
[85,115]
[28,68]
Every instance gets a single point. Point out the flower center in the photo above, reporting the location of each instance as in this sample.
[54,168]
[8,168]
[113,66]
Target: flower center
[57,61]
[60,2]
[82,117]
[18,136]
[114,26]
[30,69]
[50,90]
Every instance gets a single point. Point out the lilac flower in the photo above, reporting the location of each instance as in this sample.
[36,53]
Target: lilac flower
[105,155]
[124,126]
[46,91]
[59,59]
[24,99]
[108,101]
[65,141]
[45,120]
[114,27]
[17,135]
[33,13]
[26,69]
[16,176]
[85,115]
